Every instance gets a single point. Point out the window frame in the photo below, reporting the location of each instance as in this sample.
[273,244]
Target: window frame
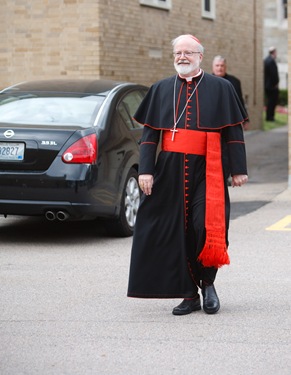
[126,111]
[160,4]
[285,9]
[282,14]
[211,13]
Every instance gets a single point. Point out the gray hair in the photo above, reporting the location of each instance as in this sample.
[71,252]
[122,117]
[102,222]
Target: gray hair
[199,45]
[219,58]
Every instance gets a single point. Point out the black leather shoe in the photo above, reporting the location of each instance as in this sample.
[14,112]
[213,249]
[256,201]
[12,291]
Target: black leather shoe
[187,306]
[210,299]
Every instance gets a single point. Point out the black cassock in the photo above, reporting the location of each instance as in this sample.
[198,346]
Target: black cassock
[170,227]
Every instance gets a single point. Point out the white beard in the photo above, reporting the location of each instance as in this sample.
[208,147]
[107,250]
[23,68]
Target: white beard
[185,69]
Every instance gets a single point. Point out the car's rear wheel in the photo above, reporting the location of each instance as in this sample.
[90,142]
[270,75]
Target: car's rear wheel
[124,225]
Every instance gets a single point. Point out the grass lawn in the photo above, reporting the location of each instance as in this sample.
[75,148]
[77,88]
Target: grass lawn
[281,119]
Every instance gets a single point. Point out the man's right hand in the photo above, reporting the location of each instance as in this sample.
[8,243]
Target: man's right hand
[145,182]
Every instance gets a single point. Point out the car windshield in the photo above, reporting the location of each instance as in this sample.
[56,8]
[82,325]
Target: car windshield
[49,110]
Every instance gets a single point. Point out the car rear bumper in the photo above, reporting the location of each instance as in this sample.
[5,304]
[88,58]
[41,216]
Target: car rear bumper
[41,208]
[72,189]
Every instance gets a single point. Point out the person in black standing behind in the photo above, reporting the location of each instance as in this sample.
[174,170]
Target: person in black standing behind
[219,69]
[271,81]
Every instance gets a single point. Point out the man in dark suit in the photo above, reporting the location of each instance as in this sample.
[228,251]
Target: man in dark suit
[219,69]
[271,82]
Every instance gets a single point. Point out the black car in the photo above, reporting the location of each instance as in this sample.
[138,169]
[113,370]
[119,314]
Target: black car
[69,150]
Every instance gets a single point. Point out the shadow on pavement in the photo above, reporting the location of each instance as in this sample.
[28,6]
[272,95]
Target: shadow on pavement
[243,208]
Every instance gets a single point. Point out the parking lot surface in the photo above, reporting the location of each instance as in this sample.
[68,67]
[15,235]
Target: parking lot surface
[64,309]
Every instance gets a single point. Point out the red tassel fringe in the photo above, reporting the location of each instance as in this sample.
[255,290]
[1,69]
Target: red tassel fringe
[214,252]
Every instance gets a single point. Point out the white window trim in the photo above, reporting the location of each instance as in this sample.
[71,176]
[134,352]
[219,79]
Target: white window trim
[208,14]
[282,21]
[162,4]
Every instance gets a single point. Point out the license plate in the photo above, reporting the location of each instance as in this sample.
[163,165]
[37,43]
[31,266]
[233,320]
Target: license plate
[11,151]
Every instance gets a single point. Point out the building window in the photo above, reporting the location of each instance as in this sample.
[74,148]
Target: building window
[162,4]
[208,9]
[282,14]
[285,9]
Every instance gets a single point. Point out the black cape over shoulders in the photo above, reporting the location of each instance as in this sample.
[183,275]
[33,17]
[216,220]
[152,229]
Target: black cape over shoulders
[213,94]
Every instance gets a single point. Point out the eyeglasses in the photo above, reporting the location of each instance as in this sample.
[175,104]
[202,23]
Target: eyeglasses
[185,53]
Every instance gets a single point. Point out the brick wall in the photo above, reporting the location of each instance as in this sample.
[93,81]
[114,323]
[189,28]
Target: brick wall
[141,32]
[122,40]
[48,38]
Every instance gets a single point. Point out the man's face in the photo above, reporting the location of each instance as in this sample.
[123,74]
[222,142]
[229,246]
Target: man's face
[187,58]
[219,68]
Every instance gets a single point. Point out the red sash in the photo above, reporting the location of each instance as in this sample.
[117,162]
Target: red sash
[185,141]
[214,252]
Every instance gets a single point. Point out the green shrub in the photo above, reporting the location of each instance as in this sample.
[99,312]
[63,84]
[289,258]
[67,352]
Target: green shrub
[283,97]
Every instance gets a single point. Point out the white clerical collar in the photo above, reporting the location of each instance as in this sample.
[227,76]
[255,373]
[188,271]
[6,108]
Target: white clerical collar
[189,79]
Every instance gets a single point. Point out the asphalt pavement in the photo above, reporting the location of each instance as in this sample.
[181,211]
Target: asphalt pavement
[64,309]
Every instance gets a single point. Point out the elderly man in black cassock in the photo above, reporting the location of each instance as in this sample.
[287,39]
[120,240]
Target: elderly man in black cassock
[181,232]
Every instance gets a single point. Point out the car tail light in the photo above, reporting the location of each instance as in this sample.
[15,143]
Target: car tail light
[82,151]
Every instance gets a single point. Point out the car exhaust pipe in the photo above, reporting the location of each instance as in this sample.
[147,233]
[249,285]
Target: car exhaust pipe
[50,215]
[62,216]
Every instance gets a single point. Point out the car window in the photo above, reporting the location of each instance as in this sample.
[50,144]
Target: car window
[128,106]
[30,109]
